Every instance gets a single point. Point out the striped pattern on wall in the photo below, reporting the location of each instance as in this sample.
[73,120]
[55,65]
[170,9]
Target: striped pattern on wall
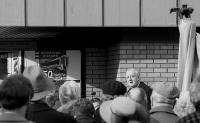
[134,13]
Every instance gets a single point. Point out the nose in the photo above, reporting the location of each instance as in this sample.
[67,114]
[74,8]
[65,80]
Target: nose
[128,78]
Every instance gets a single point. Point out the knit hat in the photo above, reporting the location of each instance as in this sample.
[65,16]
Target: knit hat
[114,88]
[166,89]
[123,107]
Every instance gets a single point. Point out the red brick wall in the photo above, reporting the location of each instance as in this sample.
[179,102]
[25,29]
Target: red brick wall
[156,60]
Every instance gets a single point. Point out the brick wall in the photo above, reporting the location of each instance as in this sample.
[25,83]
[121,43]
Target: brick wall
[95,70]
[156,61]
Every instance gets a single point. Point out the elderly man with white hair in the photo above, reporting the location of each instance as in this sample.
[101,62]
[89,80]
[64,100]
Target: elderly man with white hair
[133,81]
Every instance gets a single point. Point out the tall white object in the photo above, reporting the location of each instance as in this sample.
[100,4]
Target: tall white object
[186,64]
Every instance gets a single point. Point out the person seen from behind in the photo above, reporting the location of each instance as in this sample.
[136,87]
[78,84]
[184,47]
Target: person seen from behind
[38,110]
[111,90]
[123,110]
[69,92]
[138,95]
[16,92]
[163,99]
[83,110]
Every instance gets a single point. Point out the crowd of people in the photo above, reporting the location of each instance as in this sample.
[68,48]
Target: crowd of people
[27,98]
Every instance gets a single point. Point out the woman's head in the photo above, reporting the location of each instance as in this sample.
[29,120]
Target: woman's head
[68,91]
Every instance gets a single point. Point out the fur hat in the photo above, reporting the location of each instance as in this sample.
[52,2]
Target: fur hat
[42,85]
[123,107]
[114,88]
[166,89]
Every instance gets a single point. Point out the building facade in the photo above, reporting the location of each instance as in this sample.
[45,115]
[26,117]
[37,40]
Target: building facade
[144,35]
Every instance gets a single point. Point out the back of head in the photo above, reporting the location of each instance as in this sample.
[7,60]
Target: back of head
[42,85]
[83,106]
[165,92]
[128,110]
[113,88]
[123,110]
[15,92]
[138,95]
[69,91]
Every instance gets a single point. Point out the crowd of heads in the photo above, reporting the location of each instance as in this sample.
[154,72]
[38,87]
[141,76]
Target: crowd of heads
[116,105]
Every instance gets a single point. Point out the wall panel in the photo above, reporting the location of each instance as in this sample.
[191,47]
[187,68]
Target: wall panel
[157,13]
[121,12]
[12,13]
[84,12]
[45,12]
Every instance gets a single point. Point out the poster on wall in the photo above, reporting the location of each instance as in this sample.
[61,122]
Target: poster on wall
[54,65]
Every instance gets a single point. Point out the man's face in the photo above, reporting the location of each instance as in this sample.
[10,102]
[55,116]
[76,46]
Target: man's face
[132,78]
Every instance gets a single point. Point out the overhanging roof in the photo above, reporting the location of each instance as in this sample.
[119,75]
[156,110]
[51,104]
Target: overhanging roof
[81,37]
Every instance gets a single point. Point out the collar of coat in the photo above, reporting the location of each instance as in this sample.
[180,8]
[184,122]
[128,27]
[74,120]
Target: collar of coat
[39,106]
[12,117]
[166,109]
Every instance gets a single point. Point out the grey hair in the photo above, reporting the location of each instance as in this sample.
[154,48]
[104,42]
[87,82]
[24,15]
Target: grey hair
[69,91]
[157,98]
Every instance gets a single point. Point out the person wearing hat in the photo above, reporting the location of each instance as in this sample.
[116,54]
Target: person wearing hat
[39,111]
[133,81]
[123,110]
[15,94]
[163,99]
[111,90]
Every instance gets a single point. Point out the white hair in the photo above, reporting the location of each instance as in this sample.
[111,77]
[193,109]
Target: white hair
[156,98]
[68,91]
[135,71]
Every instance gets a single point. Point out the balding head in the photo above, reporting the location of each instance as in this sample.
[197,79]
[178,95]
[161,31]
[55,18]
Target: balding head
[132,77]
[138,95]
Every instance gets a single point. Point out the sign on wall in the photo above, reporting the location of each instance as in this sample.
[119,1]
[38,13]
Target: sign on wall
[54,63]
